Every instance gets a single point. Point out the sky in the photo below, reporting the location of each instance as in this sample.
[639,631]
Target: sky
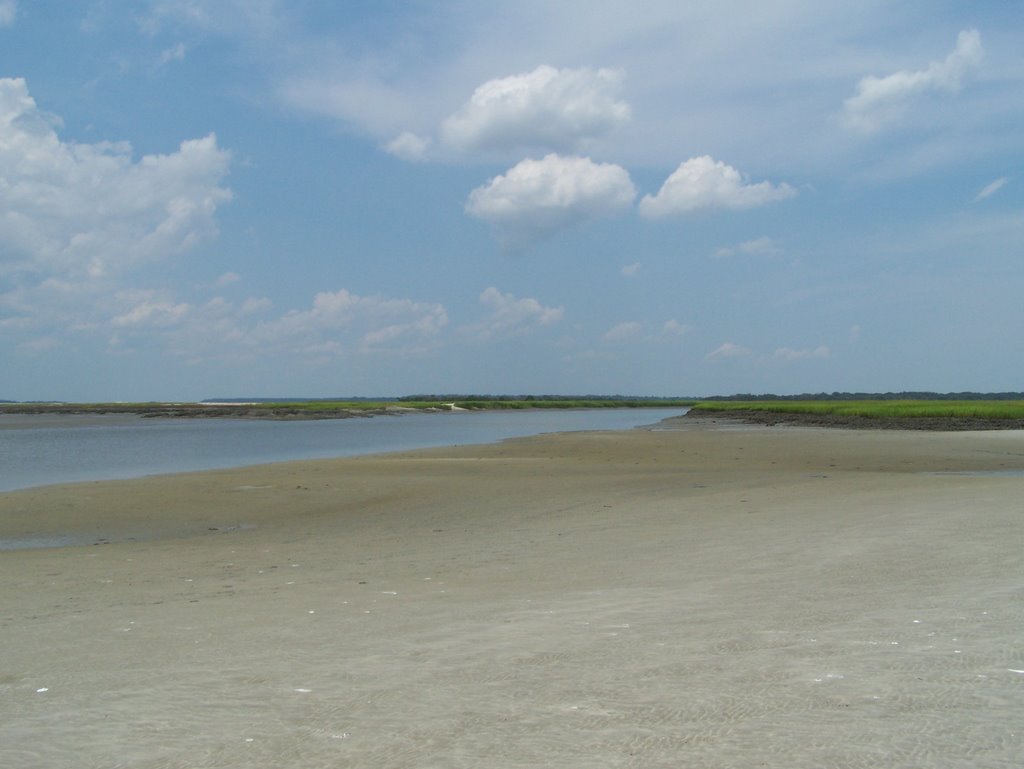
[217,198]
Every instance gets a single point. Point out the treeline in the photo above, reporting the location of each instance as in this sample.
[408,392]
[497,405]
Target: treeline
[891,396]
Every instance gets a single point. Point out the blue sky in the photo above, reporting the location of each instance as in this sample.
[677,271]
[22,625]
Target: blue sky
[203,199]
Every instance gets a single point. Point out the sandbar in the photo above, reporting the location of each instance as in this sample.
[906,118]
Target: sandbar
[779,597]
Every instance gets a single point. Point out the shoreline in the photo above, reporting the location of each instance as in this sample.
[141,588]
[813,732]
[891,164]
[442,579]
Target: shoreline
[705,596]
[202,411]
[274,412]
[60,453]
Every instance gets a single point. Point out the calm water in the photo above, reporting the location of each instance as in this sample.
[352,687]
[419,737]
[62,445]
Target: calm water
[43,450]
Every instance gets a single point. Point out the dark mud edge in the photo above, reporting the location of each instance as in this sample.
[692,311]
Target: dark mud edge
[200,411]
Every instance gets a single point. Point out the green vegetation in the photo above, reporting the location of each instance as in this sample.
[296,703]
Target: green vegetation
[332,409]
[879,409]
[992,407]
[860,396]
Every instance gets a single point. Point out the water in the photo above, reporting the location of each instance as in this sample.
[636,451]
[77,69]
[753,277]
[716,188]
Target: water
[41,450]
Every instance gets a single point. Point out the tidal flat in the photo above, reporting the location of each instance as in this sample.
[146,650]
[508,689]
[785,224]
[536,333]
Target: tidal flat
[689,596]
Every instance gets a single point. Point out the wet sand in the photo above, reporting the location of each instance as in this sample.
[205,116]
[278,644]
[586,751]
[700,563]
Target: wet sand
[709,596]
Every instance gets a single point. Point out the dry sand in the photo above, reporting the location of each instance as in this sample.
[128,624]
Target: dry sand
[701,597]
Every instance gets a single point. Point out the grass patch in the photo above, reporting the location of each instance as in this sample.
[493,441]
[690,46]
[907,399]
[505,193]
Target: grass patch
[897,409]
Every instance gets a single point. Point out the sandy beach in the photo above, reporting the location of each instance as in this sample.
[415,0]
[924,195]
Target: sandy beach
[711,595]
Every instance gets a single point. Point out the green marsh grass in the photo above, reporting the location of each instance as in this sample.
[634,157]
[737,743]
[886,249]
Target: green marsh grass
[979,409]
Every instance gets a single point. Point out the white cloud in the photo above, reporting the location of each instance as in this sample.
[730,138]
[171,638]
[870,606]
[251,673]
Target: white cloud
[409,146]
[8,12]
[511,316]
[991,189]
[548,108]
[536,198]
[174,53]
[40,344]
[630,270]
[356,323]
[623,332]
[240,17]
[702,73]
[757,246]
[360,100]
[336,324]
[880,100]
[702,183]
[674,328]
[153,313]
[255,305]
[728,350]
[789,354]
[227,279]
[85,211]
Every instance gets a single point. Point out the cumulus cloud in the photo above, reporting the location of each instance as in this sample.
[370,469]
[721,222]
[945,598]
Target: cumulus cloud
[227,279]
[348,322]
[702,183]
[991,189]
[174,53]
[153,313]
[674,328]
[757,246]
[84,211]
[409,146]
[336,324]
[536,198]
[728,350]
[255,305]
[548,108]
[40,344]
[623,332]
[880,100]
[789,354]
[512,316]
[8,12]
